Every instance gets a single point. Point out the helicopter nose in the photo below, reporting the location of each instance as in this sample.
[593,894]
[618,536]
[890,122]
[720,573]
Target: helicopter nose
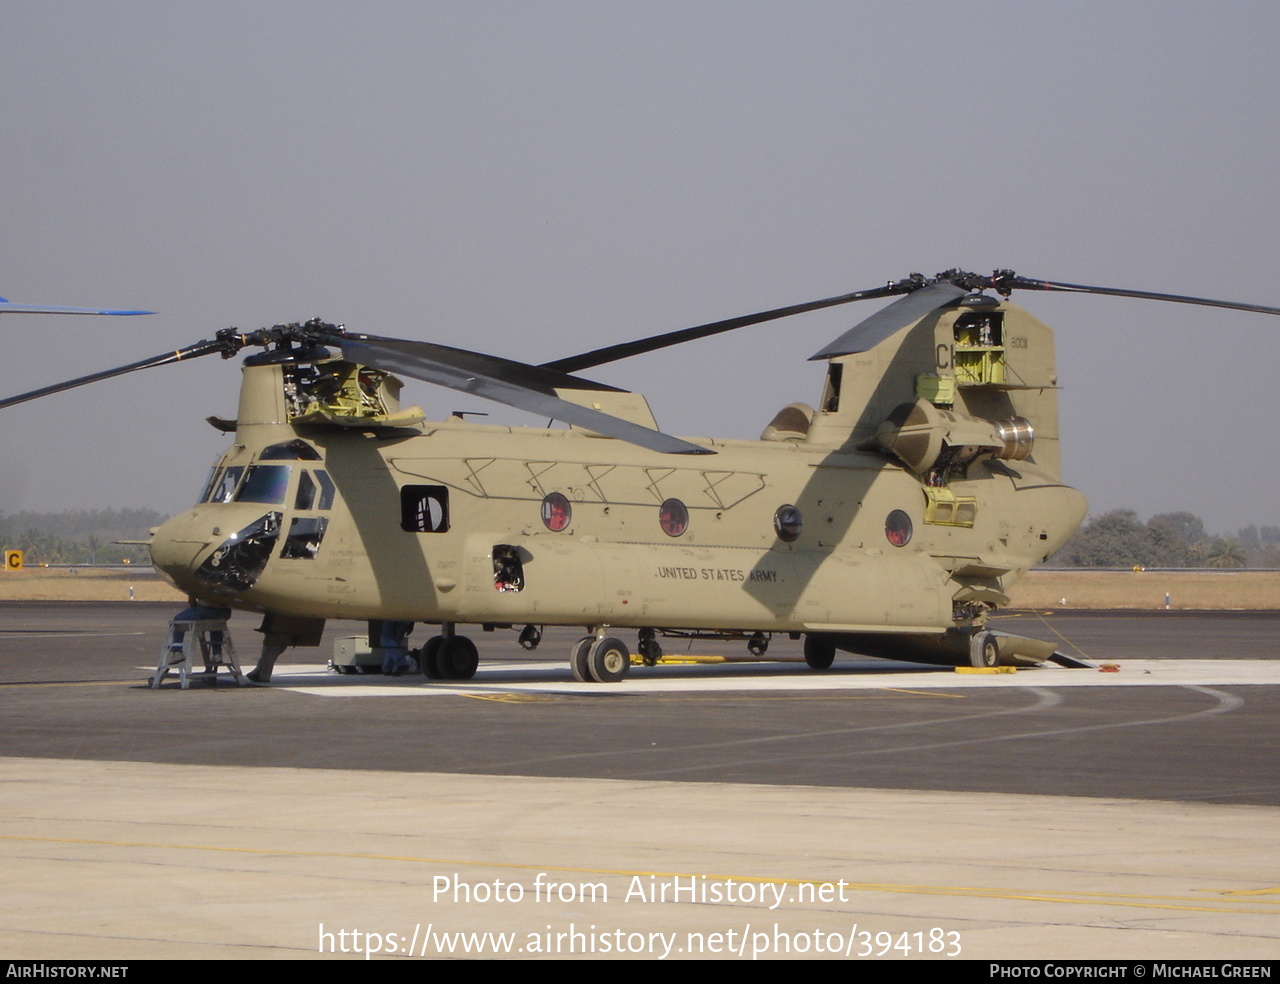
[242,541]
[177,541]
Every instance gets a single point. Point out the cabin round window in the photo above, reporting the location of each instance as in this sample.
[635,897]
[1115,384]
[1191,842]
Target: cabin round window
[897,528]
[556,512]
[673,517]
[787,523]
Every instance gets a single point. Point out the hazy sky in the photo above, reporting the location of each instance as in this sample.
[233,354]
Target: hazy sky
[536,179]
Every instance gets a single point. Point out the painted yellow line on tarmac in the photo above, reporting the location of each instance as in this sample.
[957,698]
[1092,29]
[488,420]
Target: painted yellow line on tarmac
[688,658]
[1167,902]
[1252,891]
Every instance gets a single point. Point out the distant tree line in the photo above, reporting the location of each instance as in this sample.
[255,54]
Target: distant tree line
[81,536]
[1178,539]
[1114,539]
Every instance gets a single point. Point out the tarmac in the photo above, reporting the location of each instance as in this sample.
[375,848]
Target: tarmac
[702,810]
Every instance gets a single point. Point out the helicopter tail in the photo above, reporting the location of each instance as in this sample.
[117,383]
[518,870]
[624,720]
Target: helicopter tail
[961,382]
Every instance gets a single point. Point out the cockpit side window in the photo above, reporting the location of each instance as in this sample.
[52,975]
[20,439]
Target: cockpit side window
[222,488]
[214,475]
[315,491]
[306,495]
[326,489]
[266,484]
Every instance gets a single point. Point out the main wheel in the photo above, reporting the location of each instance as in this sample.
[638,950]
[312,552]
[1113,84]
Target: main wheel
[984,650]
[458,658]
[608,660]
[578,658]
[431,658]
[819,652]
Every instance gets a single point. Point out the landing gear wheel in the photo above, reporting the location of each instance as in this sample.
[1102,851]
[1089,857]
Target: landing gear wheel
[648,648]
[530,636]
[608,660]
[819,652]
[457,658]
[984,650]
[431,658]
[578,659]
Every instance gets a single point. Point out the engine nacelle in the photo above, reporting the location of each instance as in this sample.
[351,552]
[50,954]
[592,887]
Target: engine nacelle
[923,437]
[1018,435]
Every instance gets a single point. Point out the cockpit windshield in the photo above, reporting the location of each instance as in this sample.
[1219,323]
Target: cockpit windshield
[266,484]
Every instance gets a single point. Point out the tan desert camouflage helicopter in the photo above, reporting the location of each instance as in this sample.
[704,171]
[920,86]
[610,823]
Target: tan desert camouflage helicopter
[889,521]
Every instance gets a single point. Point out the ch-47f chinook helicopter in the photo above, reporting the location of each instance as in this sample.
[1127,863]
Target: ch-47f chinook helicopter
[890,520]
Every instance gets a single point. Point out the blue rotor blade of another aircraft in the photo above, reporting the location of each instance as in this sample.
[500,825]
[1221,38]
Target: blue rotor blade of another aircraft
[885,322]
[11,308]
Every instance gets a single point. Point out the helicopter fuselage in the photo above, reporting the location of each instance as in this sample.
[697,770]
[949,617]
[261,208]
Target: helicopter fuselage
[613,562]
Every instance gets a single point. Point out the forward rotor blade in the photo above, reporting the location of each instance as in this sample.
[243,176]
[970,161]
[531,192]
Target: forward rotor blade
[625,350]
[1026,283]
[500,380]
[541,378]
[190,352]
[11,308]
[885,322]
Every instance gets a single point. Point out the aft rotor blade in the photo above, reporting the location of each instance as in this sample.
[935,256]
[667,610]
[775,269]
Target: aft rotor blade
[885,322]
[498,380]
[11,308]
[190,352]
[1026,283]
[625,350]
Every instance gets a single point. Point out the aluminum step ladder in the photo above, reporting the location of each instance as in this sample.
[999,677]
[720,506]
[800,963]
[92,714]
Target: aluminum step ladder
[210,637]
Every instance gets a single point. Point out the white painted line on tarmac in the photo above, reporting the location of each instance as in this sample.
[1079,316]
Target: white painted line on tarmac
[542,678]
